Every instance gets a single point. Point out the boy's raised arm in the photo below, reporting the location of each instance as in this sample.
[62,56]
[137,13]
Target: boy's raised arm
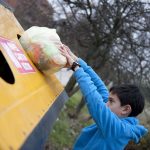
[107,122]
[101,88]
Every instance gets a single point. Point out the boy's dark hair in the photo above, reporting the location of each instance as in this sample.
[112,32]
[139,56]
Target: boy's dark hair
[130,94]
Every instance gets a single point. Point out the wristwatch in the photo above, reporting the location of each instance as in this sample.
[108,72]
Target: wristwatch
[74,65]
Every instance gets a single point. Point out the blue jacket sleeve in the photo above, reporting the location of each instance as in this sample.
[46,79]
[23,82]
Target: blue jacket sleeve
[101,88]
[107,121]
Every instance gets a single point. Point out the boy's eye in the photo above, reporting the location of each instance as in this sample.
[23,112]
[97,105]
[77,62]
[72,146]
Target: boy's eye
[110,100]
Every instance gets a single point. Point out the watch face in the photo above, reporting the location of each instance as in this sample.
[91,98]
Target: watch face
[74,65]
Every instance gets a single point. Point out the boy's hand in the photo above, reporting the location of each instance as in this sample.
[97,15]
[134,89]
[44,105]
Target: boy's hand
[65,52]
[75,58]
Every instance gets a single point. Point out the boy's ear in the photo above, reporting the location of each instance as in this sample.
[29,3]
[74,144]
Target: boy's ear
[126,110]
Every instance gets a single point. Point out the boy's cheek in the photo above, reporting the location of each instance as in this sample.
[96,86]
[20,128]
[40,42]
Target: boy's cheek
[115,109]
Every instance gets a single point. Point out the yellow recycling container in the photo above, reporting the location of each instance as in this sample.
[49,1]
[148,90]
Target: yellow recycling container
[29,102]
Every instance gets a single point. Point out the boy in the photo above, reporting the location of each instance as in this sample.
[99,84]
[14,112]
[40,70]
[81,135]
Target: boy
[114,114]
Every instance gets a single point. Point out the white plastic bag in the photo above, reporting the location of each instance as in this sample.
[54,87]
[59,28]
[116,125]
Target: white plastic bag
[42,45]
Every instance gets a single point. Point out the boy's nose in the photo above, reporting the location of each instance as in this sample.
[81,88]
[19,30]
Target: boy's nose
[107,104]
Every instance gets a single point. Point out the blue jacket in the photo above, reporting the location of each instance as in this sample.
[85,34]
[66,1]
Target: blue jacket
[109,131]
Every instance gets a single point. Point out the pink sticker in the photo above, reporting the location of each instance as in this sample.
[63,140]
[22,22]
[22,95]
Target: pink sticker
[17,56]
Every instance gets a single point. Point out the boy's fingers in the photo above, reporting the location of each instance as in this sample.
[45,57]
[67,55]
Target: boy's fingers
[63,54]
[66,47]
[62,49]
[66,55]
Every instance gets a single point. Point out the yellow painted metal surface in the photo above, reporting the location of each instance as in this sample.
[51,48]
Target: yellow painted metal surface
[22,104]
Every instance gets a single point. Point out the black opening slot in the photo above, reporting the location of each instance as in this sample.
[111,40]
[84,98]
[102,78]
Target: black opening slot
[18,36]
[5,71]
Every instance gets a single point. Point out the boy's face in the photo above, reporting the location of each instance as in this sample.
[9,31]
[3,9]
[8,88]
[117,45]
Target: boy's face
[115,106]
